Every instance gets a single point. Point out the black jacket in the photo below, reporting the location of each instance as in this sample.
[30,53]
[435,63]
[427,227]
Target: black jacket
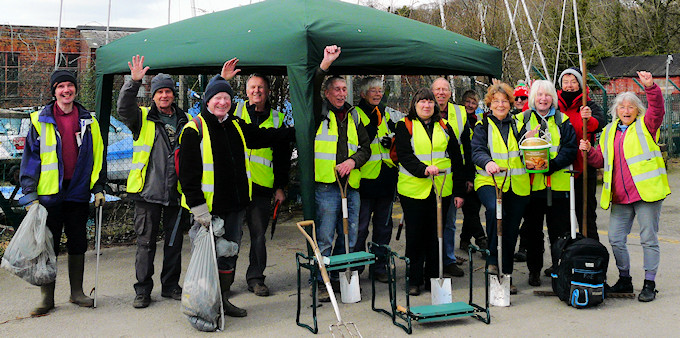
[385,184]
[231,182]
[410,162]
[481,154]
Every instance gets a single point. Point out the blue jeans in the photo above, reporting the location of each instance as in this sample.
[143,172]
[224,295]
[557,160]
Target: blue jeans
[622,217]
[449,235]
[329,218]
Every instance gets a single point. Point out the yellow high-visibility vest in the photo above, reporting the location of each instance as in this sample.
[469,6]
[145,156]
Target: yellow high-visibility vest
[261,160]
[457,123]
[379,154]
[208,177]
[643,157]
[326,146]
[48,183]
[431,152]
[506,156]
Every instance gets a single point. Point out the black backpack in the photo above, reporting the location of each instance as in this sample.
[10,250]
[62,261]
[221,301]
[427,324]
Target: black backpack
[580,271]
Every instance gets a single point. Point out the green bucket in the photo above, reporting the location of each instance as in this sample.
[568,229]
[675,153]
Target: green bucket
[535,154]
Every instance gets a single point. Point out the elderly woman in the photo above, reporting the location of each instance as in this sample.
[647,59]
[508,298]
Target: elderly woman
[635,181]
[495,146]
[215,173]
[425,144]
[550,190]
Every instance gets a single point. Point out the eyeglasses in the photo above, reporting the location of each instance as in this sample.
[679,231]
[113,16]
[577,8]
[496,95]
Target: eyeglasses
[521,98]
[499,102]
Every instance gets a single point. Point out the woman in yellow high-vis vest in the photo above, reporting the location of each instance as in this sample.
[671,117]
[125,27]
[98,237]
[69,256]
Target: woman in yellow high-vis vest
[425,144]
[635,182]
[494,146]
[60,169]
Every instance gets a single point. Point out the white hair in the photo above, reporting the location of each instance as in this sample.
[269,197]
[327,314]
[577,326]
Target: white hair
[368,83]
[547,87]
[626,96]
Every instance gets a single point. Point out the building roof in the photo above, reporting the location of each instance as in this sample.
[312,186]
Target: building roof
[627,66]
[95,36]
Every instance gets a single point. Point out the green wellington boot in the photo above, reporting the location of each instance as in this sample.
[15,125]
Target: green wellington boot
[47,304]
[76,267]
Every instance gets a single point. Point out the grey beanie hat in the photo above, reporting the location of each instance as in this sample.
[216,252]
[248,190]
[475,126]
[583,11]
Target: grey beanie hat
[162,81]
[573,71]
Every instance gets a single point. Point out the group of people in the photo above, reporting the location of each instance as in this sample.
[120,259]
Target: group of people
[232,160]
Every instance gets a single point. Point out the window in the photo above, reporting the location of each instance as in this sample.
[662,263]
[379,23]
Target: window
[69,61]
[9,74]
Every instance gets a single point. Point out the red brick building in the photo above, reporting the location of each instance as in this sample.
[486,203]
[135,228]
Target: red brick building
[27,57]
[621,72]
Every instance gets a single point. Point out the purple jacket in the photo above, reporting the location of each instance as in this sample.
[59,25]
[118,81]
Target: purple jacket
[79,188]
[623,187]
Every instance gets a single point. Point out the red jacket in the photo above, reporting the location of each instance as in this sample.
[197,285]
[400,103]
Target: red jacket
[594,125]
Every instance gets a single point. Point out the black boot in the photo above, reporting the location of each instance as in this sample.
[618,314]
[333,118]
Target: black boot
[47,304]
[76,267]
[648,292]
[623,285]
[226,279]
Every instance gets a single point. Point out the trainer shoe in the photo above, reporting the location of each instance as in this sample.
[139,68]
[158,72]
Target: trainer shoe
[259,289]
[452,270]
[141,301]
[175,293]
[648,292]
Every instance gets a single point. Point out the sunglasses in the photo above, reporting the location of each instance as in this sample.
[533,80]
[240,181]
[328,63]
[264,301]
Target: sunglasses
[521,98]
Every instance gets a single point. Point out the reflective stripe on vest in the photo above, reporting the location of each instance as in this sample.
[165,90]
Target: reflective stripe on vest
[326,147]
[458,124]
[379,154]
[430,152]
[560,178]
[506,156]
[208,176]
[49,180]
[261,160]
[644,160]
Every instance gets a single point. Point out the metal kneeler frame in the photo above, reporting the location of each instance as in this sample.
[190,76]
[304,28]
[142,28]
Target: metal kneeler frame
[426,313]
[337,262]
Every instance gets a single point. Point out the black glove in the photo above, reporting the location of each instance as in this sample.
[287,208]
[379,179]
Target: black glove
[551,168]
[386,142]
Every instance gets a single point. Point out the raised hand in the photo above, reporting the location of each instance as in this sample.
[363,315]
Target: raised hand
[137,69]
[228,69]
[533,132]
[646,78]
[330,54]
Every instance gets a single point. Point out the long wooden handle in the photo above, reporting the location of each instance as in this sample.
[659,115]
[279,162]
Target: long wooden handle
[315,247]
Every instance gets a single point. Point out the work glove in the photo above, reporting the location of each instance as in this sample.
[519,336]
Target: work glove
[386,142]
[99,199]
[29,205]
[203,219]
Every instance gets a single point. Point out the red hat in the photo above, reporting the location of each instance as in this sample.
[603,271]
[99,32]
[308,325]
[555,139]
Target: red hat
[521,91]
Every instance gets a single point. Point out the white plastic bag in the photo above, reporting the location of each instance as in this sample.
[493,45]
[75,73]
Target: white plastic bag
[30,253]
[201,298]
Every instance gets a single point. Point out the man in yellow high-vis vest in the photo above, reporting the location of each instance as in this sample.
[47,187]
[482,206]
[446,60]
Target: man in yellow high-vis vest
[460,122]
[269,167]
[152,182]
[62,165]
[341,145]
[378,174]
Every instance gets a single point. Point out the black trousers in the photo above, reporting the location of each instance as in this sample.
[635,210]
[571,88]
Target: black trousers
[422,247]
[147,225]
[258,214]
[71,218]
[472,224]
[592,203]
[557,220]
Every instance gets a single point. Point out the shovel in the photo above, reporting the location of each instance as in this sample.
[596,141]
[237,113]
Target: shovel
[350,290]
[499,285]
[340,328]
[441,287]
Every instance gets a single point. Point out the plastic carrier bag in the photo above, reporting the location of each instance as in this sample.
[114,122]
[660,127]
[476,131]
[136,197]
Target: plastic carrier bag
[201,297]
[30,253]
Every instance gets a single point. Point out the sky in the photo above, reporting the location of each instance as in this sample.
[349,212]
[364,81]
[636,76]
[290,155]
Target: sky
[125,13]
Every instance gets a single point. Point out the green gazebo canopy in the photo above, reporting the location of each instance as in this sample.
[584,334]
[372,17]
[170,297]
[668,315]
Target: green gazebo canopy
[287,37]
